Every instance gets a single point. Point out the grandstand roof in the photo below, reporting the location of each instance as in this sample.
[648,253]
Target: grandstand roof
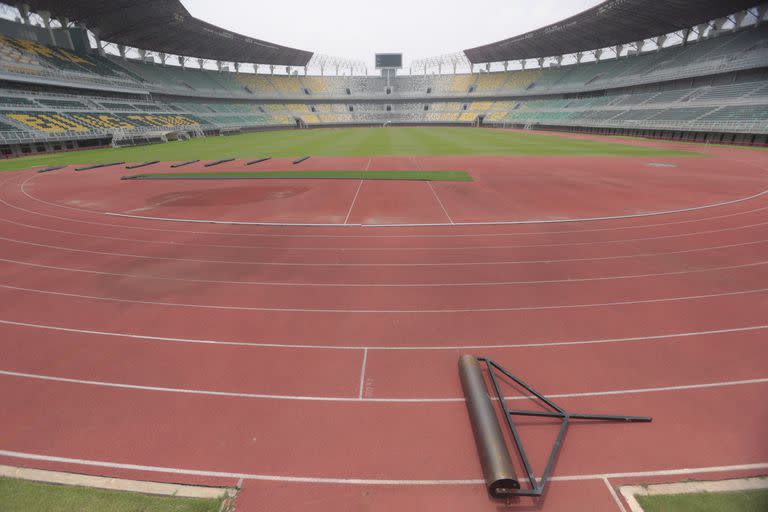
[166,26]
[608,24]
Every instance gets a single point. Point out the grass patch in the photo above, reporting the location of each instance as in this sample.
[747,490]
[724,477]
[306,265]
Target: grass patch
[365,142]
[311,175]
[24,495]
[737,501]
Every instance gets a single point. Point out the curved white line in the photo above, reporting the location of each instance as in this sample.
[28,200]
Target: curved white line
[283,235]
[440,224]
[401,348]
[384,285]
[384,311]
[391,249]
[431,264]
[362,481]
[301,398]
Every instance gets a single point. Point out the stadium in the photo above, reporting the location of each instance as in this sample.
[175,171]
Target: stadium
[528,275]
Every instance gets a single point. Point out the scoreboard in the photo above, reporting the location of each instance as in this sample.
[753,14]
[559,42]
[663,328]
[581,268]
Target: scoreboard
[389,60]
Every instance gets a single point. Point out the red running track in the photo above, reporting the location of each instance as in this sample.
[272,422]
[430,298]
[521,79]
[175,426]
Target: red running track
[318,363]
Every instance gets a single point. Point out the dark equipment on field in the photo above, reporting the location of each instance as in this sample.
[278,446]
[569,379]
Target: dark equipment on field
[98,166]
[182,164]
[219,162]
[145,164]
[252,162]
[495,458]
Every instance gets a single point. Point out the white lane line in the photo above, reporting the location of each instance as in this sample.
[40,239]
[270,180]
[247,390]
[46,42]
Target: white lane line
[385,311]
[615,497]
[354,200]
[418,225]
[362,481]
[362,374]
[453,235]
[360,399]
[403,348]
[398,265]
[385,285]
[390,249]
[434,193]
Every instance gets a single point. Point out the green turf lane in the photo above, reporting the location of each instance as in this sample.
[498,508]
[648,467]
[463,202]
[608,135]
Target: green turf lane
[312,175]
[739,501]
[365,142]
[21,495]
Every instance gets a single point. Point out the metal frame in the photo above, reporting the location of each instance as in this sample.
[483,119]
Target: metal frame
[537,487]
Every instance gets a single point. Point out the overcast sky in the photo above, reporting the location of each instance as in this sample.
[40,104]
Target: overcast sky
[358,29]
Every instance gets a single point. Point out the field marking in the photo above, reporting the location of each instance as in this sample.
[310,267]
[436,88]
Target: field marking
[629,492]
[360,399]
[454,235]
[388,249]
[402,348]
[385,285]
[425,264]
[614,495]
[354,200]
[362,374]
[364,481]
[114,484]
[385,311]
[420,225]
[434,193]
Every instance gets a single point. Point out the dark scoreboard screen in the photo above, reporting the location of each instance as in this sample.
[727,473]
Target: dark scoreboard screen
[389,60]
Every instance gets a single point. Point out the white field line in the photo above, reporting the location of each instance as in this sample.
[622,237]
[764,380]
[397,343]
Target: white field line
[442,206]
[390,249]
[630,492]
[362,374]
[615,497]
[360,399]
[403,348]
[363,481]
[385,285]
[453,235]
[385,311]
[418,225]
[397,265]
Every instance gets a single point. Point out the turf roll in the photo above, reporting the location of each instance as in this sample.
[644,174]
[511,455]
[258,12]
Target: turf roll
[145,164]
[182,164]
[219,162]
[98,166]
[299,160]
[253,162]
[50,169]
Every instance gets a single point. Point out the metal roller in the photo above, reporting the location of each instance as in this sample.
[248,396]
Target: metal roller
[494,456]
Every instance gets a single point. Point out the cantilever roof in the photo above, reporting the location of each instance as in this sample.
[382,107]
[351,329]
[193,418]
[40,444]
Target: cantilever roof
[166,26]
[608,24]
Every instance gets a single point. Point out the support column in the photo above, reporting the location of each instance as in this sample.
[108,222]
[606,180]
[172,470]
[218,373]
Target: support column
[163,57]
[121,50]
[24,11]
[506,65]
[201,63]
[659,42]
[142,55]
[47,22]
[579,57]
[738,19]
[65,26]
[182,61]
[597,54]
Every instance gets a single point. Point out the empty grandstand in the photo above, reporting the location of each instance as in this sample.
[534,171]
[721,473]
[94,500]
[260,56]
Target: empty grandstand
[675,80]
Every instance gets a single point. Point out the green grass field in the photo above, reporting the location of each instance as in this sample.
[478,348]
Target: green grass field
[21,495]
[352,142]
[312,175]
[742,501]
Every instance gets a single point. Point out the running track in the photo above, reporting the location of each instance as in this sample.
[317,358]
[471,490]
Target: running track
[316,365]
